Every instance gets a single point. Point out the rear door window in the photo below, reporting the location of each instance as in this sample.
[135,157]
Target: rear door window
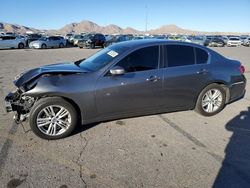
[179,55]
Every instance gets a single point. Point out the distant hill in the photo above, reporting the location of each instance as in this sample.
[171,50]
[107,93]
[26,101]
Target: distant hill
[88,26]
[172,29]
[6,27]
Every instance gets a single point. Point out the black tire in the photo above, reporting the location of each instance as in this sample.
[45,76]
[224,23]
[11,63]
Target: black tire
[44,46]
[212,87]
[61,45]
[221,44]
[92,45]
[38,108]
[21,45]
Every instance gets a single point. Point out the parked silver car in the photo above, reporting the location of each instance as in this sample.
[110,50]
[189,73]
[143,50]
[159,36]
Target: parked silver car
[11,42]
[246,42]
[48,42]
[200,39]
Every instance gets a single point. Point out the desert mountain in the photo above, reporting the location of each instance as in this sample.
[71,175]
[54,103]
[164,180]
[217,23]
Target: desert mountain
[172,29]
[6,27]
[88,26]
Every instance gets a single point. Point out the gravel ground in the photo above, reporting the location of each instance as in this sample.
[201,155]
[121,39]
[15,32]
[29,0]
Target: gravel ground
[180,149]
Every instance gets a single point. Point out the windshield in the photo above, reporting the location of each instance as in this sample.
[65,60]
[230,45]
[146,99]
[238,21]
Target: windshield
[102,58]
[43,38]
[198,38]
[88,36]
[78,36]
[234,39]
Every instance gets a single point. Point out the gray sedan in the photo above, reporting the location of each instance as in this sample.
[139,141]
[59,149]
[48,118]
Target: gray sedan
[48,42]
[127,79]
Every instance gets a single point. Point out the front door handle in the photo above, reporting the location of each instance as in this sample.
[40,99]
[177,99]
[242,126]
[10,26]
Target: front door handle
[202,71]
[153,79]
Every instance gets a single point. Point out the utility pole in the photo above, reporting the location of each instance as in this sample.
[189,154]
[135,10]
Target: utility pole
[146,21]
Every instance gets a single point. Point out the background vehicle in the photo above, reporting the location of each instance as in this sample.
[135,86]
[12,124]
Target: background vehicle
[185,39]
[32,37]
[10,34]
[214,42]
[11,42]
[115,39]
[198,40]
[225,39]
[92,40]
[67,36]
[75,39]
[242,38]
[127,79]
[2,34]
[139,37]
[234,41]
[49,42]
[246,42]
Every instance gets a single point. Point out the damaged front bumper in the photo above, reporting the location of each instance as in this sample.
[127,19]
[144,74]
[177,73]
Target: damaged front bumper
[19,103]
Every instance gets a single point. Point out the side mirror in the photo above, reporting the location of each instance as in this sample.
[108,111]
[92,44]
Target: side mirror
[117,70]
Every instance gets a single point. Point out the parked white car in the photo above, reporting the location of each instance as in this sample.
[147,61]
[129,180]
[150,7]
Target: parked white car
[11,42]
[48,42]
[234,41]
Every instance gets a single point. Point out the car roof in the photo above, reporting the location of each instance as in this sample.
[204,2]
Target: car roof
[148,42]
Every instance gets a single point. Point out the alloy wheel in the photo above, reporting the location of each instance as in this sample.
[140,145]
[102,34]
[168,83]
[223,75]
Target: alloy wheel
[212,100]
[53,120]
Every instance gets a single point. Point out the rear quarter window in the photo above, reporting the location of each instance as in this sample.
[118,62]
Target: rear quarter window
[201,56]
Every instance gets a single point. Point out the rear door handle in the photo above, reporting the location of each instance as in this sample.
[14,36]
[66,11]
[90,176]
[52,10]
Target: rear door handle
[153,79]
[202,71]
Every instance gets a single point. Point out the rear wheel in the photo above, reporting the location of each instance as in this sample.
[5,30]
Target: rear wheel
[211,100]
[53,118]
[20,45]
[44,46]
[61,45]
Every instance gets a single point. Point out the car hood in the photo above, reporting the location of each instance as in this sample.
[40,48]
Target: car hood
[67,68]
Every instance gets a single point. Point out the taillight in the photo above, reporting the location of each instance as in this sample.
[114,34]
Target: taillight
[242,69]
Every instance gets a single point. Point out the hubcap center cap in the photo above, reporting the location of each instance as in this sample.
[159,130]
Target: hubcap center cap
[53,120]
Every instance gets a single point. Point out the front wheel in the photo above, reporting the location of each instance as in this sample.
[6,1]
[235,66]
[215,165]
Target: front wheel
[44,46]
[53,118]
[92,45]
[211,100]
[20,45]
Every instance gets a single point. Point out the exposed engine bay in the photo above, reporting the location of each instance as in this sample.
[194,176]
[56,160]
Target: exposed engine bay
[15,101]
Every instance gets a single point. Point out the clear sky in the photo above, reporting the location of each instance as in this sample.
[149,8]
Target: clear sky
[202,15]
